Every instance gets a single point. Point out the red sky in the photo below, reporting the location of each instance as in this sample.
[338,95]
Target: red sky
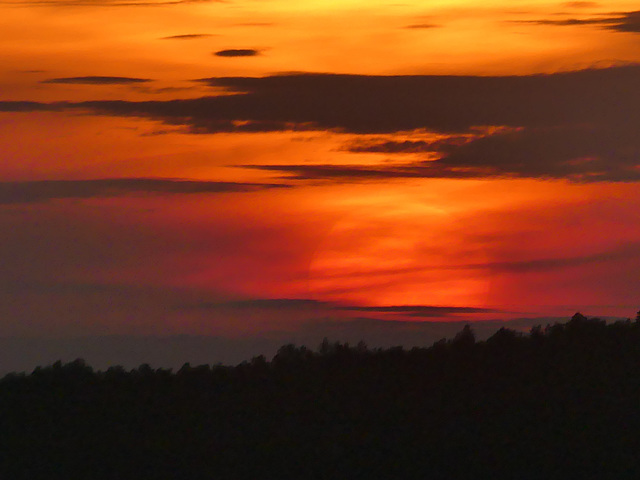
[246,167]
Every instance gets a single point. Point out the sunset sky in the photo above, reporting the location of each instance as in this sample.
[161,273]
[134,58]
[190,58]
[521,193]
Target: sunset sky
[243,169]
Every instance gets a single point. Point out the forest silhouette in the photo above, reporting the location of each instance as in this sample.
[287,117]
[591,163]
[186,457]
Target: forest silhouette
[562,401]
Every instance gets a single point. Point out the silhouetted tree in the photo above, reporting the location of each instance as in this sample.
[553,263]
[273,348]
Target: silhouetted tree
[561,402]
[465,338]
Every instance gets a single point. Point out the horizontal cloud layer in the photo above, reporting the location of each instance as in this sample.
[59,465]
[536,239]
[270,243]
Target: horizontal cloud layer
[38,191]
[385,104]
[97,80]
[237,52]
[187,36]
[283,304]
[622,22]
[576,125]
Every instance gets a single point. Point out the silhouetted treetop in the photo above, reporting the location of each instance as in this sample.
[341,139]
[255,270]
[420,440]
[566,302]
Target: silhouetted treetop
[559,402]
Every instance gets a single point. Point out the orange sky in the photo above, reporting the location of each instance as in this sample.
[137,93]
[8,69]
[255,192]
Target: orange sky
[178,167]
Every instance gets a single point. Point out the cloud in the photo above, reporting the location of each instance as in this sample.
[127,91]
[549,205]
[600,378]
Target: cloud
[621,252]
[421,26]
[26,106]
[277,304]
[237,52]
[348,172]
[187,36]
[386,104]
[622,22]
[580,125]
[284,304]
[465,165]
[580,4]
[406,146]
[97,80]
[582,153]
[419,310]
[44,190]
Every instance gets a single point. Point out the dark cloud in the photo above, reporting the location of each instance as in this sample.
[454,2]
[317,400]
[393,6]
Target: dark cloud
[283,304]
[348,172]
[388,104]
[25,106]
[580,4]
[419,310]
[581,153]
[39,191]
[406,146]
[420,26]
[622,252]
[187,36]
[97,80]
[237,52]
[466,165]
[260,303]
[621,22]
[577,125]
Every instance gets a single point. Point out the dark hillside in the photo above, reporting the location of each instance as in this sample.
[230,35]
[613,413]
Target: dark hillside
[562,402]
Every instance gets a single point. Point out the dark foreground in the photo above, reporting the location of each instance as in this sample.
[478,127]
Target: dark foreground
[562,402]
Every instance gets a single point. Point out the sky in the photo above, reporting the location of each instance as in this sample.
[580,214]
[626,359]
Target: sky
[250,172]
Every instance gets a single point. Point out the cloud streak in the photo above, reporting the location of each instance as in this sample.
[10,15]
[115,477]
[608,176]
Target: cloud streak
[97,80]
[628,22]
[421,26]
[44,190]
[276,304]
[187,36]
[426,311]
[303,304]
[622,252]
[237,52]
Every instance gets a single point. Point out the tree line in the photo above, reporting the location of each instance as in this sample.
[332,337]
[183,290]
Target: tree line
[562,401]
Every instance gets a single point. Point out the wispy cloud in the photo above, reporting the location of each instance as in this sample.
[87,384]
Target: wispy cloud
[621,252]
[277,304]
[44,190]
[285,304]
[237,52]
[422,26]
[622,22]
[420,310]
[187,36]
[580,4]
[97,80]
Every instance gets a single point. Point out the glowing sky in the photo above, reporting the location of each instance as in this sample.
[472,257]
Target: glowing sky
[236,167]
